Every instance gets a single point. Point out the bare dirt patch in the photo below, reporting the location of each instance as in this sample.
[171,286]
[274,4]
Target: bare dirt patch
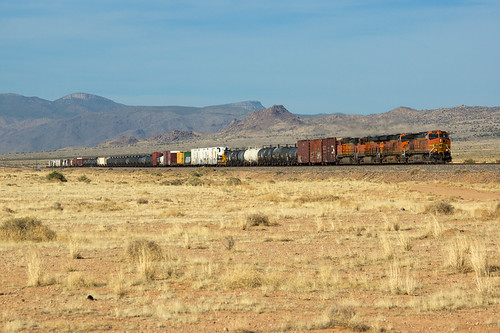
[450,191]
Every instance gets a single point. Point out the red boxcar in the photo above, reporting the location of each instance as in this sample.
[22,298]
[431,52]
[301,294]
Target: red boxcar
[328,150]
[172,158]
[169,158]
[156,157]
[315,151]
[303,151]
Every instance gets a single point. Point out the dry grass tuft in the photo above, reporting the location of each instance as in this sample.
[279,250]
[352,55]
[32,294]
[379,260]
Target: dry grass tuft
[451,300]
[146,265]
[173,212]
[9,210]
[187,241]
[489,213]
[436,228]
[457,255]
[228,242]
[318,198]
[440,208]
[479,259]
[399,285]
[25,229]
[57,206]
[242,277]
[387,247]
[77,280]
[139,248]
[233,181]
[196,181]
[395,281]
[34,265]
[390,226]
[405,242]
[146,255]
[118,284]
[74,249]
[342,316]
[255,220]
[84,179]
[415,171]
[173,182]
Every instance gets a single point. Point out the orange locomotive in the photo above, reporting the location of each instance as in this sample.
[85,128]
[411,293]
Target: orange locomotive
[422,147]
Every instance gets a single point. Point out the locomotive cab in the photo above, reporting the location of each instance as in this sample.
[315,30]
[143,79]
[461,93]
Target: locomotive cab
[439,146]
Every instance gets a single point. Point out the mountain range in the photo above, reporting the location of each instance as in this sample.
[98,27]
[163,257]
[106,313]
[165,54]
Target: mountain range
[85,120]
[35,124]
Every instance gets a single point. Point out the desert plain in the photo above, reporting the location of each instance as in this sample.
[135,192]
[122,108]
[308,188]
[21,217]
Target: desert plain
[315,249]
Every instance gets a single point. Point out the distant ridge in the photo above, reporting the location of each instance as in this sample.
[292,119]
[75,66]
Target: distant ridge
[86,120]
[274,117]
[247,105]
[173,136]
[84,96]
[121,141]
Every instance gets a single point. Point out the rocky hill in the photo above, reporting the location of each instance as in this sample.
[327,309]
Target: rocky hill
[119,142]
[275,118]
[463,123]
[173,136]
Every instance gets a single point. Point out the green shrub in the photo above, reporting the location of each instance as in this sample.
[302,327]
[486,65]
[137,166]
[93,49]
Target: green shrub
[25,229]
[54,175]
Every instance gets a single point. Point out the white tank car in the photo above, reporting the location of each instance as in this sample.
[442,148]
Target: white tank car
[251,156]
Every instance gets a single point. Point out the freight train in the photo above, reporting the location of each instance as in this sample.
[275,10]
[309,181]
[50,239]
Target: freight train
[422,147]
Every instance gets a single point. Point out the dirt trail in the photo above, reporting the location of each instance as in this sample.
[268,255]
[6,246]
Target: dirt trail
[454,191]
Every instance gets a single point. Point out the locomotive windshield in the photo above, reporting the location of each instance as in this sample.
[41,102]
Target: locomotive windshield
[444,135]
[433,136]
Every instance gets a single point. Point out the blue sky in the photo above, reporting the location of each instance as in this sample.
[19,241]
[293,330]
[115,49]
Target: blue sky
[356,56]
